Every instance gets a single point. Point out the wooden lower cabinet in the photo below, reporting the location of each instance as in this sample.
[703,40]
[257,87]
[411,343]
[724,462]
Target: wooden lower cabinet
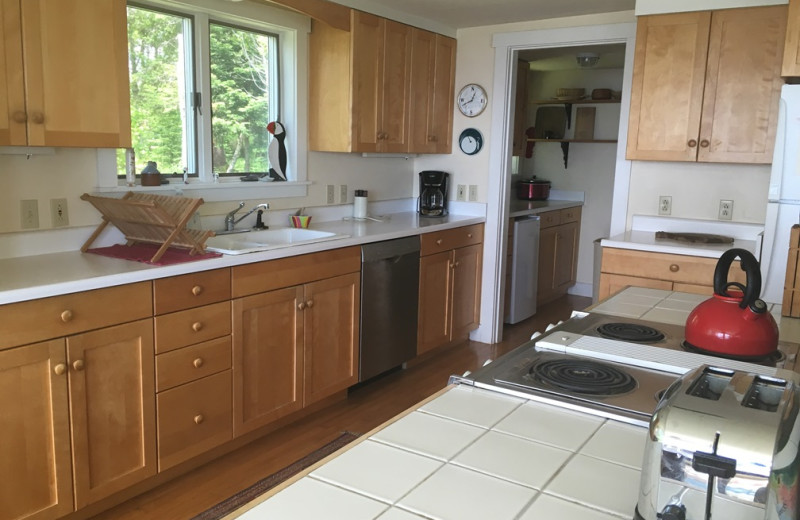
[112,405]
[558,253]
[35,464]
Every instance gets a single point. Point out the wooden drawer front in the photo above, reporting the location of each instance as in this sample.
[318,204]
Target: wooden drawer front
[58,316]
[190,363]
[549,219]
[287,272]
[570,215]
[194,418]
[191,290]
[438,241]
[192,326]
[662,266]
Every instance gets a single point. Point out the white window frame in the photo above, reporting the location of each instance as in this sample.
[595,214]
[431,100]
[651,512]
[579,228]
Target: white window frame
[292,30]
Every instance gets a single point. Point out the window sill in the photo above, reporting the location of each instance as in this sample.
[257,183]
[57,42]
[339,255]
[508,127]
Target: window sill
[225,190]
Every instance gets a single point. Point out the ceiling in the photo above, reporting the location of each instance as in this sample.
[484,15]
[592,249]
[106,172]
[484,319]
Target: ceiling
[474,13]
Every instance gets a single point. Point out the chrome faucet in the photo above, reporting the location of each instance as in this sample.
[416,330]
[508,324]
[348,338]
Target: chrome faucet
[231,220]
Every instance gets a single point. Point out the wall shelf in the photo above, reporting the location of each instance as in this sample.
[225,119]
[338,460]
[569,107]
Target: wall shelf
[566,142]
[574,102]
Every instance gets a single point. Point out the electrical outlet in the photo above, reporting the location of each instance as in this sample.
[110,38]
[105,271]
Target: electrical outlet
[664,205]
[329,194]
[725,209]
[343,193]
[473,193]
[461,192]
[59,214]
[29,214]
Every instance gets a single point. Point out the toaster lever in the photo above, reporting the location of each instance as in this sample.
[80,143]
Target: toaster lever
[714,465]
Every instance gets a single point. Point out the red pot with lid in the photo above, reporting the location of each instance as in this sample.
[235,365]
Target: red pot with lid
[533,189]
[734,322]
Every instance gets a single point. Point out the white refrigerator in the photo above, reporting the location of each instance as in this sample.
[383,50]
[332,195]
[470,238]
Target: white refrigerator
[783,204]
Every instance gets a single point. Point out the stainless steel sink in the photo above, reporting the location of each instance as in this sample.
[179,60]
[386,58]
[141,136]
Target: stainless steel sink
[254,241]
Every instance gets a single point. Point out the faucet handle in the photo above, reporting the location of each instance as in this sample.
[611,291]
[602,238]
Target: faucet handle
[232,213]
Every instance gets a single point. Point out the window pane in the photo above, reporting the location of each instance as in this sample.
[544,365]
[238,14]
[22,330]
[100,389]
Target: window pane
[243,80]
[162,123]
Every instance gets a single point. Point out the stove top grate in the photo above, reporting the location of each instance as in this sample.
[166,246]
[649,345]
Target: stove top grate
[583,376]
[632,332]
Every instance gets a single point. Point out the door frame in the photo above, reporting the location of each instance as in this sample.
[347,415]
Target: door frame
[507,47]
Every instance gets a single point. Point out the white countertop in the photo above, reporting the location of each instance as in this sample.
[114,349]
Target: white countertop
[472,454]
[642,237]
[519,208]
[31,277]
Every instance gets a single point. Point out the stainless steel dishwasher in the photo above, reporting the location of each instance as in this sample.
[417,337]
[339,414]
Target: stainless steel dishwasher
[389,303]
[524,269]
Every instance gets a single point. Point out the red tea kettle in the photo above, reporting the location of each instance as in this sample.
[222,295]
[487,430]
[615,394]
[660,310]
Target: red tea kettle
[734,323]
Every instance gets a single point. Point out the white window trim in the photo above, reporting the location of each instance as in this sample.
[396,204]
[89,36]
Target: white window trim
[293,30]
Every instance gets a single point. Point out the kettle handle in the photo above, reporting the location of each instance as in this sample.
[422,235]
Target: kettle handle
[752,271]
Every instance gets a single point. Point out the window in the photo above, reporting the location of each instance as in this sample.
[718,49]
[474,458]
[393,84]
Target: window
[203,91]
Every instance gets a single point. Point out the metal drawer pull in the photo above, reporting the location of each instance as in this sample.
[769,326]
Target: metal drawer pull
[196,290]
[198,362]
[439,242]
[196,326]
[301,305]
[66,316]
[199,418]
[674,268]
[60,369]
[469,235]
[77,365]
[310,303]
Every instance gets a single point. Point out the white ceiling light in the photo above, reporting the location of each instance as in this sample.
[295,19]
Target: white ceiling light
[587,59]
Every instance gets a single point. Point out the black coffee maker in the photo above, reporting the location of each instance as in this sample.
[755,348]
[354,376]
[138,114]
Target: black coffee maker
[432,193]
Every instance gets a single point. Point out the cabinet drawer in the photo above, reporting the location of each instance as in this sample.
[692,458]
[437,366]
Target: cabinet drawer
[190,363]
[438,241]
[662,266]
[549,219]
[37,320]
[191,290]
[194,418]
[296,270]
[192,326]
[570,215]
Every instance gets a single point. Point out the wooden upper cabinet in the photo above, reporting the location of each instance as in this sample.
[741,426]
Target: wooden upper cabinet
[432,91]
[791,53]
[75,90]
[362,83]
[706,86]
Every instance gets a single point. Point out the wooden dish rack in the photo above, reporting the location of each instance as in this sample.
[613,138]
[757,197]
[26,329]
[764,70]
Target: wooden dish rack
[153,219]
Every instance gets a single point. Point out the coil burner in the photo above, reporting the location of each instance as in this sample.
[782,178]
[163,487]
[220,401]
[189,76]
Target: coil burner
[583,376]
[632,332]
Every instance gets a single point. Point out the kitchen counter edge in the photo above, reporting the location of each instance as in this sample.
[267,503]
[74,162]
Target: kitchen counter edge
[521,208]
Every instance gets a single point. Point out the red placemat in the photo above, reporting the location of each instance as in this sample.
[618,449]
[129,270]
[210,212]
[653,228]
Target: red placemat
[144,252]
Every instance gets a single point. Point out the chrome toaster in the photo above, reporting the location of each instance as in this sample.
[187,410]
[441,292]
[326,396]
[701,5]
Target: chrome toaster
[723,443]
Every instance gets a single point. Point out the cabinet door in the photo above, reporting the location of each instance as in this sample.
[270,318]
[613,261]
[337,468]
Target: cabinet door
[77,91]
[791,53]
[435,283]
[743,85]
[35,467]
[547,264]
[466,289]
[12,94]
[423,79]
[667,91]
[267,358]
[331,336]
[367,38]
[112,402]
[566,256]
[395,87]
[443,94]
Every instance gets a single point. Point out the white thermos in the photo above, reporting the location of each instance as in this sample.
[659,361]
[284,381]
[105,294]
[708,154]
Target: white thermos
[360,204]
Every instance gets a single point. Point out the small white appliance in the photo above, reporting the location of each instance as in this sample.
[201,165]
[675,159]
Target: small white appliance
[783,204]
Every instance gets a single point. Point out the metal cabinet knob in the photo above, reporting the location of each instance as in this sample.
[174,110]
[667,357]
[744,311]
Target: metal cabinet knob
[60,369]
[198,362]
[197,326]
[78,365]
[199,418]
[310,303]
[301,305]
[704,143]
[674,268]
[469,235]
[439,242]
[196,290]
[66,316]
[692,143]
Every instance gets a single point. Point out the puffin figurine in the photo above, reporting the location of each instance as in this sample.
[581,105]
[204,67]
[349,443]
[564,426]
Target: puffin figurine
[277,151]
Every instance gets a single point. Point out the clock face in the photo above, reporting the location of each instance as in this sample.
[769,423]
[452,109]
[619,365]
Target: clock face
[472,100]
[470,141]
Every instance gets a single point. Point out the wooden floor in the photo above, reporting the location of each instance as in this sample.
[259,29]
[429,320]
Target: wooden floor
[366,407]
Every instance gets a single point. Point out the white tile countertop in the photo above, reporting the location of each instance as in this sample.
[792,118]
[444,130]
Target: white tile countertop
[472,454]
[38,276]
[642,237]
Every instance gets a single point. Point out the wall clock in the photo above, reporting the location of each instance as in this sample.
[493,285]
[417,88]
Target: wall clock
[472,100]
[470,141]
